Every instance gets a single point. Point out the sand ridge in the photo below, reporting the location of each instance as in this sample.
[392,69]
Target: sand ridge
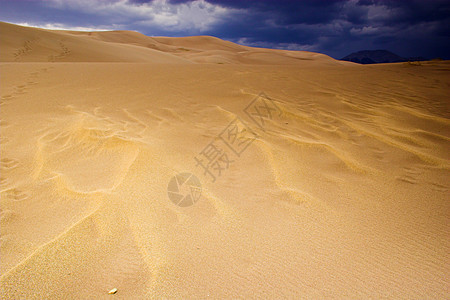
[24,44]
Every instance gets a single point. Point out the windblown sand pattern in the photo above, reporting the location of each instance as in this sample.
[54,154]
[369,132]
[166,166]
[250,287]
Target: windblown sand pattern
[346,195]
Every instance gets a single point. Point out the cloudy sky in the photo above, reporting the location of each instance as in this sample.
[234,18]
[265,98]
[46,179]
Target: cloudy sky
[334,27]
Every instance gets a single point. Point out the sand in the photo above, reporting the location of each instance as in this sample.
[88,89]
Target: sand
[342,193]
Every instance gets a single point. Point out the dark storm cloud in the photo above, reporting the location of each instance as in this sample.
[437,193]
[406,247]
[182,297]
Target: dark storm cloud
[336,28]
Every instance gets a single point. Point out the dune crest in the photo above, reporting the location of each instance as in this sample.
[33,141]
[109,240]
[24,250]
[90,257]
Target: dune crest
[25,44]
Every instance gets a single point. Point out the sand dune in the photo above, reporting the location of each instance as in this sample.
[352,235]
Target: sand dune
[25,44]
[342,195]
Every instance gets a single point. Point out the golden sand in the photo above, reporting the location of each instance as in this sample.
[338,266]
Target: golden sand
[343,195]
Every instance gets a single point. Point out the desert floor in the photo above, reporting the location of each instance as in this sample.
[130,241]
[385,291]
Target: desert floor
[342,191]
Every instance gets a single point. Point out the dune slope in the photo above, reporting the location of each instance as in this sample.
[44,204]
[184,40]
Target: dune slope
[342,192]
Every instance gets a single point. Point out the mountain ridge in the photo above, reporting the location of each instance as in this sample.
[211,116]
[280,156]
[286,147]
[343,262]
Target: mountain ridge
[377,57]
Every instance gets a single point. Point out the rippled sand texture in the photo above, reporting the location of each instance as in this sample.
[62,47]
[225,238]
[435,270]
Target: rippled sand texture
[346,195]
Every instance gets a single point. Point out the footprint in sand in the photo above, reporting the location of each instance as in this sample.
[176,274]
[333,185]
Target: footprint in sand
[3,123]
[63,53]
[378,153]
[4,182]
[16,195]
[7,97]
[26,48]
[439,187]
[407,179]
[7,163]
[20,89]
[411,174]
[413,171]
[29,82]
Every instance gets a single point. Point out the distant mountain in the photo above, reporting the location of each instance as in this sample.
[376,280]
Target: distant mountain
[377,57]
